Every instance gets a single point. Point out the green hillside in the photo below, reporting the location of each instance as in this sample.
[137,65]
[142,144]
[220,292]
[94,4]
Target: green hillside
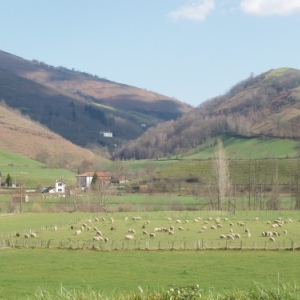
[33,173]
[248,148]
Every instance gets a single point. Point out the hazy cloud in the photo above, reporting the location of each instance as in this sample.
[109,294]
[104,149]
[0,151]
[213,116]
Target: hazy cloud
[270,7]
[194,10]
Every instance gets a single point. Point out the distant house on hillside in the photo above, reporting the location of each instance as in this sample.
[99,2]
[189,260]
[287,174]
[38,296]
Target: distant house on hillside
[84,180]
[106,133]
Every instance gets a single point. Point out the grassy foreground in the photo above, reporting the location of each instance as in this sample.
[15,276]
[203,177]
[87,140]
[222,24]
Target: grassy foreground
[25,271]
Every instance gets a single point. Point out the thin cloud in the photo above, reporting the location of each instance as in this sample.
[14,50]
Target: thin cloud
[270,7]
[194,10]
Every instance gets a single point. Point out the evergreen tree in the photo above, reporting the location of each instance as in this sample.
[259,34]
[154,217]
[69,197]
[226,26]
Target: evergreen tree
[8,180]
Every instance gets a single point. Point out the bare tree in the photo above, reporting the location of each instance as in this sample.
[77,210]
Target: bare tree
[221,166]
[101,192]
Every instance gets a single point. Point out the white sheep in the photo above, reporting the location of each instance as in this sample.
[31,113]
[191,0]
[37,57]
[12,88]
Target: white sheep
[111,220]
[78,232]
[98,232]
[97,238]
[169,219]
[106,239]
[145,232]
[152,234]
[32,234]
[178,221]
[248,234]
[129,237]
[55,228]
[272,239]
[181,228]
[222,236]
[213,227]
[171,232]
[285,231]
[130,230]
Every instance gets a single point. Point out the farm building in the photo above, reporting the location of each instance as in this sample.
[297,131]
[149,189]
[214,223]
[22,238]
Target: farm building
[84,180]
[59,188]
[106,133]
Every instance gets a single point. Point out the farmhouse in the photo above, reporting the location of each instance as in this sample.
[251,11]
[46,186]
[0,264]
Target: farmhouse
[59,188]
[106,133]
[84,180]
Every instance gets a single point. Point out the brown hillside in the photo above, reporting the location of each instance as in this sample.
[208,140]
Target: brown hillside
[23,136]
[120,95]
[266,105]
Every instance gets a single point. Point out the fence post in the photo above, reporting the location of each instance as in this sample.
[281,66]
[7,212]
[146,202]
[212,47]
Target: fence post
[241,245]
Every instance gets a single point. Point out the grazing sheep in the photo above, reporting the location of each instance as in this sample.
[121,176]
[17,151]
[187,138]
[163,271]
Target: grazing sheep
[178,221]
[220,225]
[196,220]
[201,231]
[148,222]
[129,237]
[203,227]
[17,234]
[145,232]
[222,236]
[152,234]
[231,230]
[96,229]
[284,231]
[55,228]
[96,219]
[78,232]
[205,222]
[275,233]
[237,236]
[84,225]
[111,220]
[231,224]
[97,238]
[272,239]
[130,230]
[230,237]
[210,218]
[126,218]
[169,219]
[103,219]
[99,232]
[32,234]
[113,228]
[199,218]
[247,230]
[186,221]
[172,227]
[181,228]
[248,234]
[144,226]
[171,232]
[226,219]
[26,236]
[213,227]
[136,218]
[72,227]
[106,239]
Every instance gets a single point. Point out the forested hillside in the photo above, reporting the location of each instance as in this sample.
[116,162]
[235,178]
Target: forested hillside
[266,105]
[78,106]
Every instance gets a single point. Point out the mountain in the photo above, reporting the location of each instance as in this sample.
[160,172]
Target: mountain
[78,106]
[267,105]
[23,136]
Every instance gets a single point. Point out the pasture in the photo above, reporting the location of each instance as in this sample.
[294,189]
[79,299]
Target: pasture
[187,257]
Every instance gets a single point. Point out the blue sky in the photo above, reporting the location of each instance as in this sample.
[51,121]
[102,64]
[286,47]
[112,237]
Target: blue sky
[190,50]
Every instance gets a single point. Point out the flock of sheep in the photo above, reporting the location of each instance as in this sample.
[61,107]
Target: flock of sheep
[135,227]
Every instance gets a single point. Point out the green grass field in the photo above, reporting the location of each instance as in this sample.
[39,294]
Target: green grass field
[122,266]
[31,172]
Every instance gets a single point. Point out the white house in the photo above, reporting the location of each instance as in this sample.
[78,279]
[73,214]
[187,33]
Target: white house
[59,188]
[106,133]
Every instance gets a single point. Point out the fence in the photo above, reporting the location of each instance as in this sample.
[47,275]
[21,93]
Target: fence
[132,245]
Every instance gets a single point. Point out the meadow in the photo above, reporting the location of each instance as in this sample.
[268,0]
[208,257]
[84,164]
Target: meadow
[62,258]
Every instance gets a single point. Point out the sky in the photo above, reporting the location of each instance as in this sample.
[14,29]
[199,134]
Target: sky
[189,50]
